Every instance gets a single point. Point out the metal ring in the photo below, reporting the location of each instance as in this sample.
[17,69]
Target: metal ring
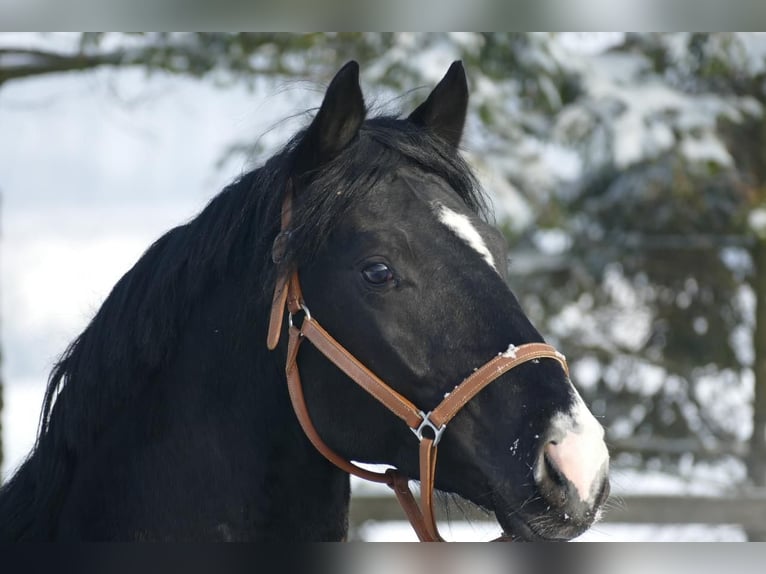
[426,423]
[305,310]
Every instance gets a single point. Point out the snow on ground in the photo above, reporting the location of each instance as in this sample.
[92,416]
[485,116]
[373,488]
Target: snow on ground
[401,531]
[703,480]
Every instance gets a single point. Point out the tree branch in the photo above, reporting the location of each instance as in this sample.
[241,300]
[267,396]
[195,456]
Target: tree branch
[193,55]
[38,62]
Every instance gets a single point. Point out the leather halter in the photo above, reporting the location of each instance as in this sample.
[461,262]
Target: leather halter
[287,293]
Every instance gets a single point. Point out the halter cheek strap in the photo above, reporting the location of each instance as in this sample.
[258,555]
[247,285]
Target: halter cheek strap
[427,427]
[279,300]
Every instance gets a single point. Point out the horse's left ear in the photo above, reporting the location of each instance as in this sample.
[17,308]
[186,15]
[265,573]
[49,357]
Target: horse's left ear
[337,122]
[445,109]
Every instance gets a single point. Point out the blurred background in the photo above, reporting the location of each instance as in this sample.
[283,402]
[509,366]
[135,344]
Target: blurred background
[628,172]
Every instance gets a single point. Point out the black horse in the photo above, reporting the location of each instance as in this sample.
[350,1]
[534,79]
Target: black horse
[169,419]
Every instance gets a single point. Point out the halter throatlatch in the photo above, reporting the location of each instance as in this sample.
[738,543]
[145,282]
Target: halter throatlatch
[427,427]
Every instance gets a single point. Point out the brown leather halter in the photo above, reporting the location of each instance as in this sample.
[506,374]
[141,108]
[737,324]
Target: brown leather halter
[287,293]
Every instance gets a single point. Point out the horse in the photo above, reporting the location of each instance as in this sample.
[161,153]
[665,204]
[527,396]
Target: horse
[170,418]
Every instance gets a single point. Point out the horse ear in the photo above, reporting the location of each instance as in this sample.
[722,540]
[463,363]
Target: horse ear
[337,122]
[445,109]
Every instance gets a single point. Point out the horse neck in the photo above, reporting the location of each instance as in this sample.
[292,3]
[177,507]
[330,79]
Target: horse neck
[308,496]
[300,495]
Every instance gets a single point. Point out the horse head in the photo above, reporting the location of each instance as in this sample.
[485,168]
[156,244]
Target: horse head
[413,282]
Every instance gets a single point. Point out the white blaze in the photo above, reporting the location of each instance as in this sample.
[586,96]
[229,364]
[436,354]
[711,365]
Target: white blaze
[464,229]
[577,448]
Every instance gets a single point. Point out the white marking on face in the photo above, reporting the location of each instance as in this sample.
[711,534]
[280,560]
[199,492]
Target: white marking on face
[461,226]
[577,448]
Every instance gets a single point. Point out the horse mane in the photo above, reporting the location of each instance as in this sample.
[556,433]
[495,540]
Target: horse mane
[135,332]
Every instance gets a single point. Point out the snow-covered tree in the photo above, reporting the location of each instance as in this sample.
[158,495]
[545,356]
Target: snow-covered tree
[661,286]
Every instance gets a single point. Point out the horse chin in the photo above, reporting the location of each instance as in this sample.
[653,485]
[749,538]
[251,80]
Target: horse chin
[517,530]
[543,528]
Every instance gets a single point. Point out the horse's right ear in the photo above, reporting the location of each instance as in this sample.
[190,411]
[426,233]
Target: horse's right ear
[337,122]
[445,109]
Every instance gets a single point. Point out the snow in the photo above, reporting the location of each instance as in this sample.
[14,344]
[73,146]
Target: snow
[703,479]
[552,241]
[586,372]
[756,219]
[634,135]
[400,531]
[642,114]
[744,52]
[506,201]
[589,43]
[20,60]
[727,397]
[706,148]
[21,412]
[510,352]
[564,163]
[50,41]
[664,533]
[546,165]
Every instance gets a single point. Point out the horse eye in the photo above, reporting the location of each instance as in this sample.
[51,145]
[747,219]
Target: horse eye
[378,273]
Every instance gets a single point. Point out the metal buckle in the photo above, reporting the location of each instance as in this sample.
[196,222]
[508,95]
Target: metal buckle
[426,423]
[305,312]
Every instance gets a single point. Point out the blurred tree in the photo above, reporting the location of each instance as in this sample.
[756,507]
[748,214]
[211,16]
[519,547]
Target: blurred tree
[222,57]
[662,229]
[635,163]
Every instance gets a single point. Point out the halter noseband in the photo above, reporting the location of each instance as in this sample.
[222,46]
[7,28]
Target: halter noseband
[287,293]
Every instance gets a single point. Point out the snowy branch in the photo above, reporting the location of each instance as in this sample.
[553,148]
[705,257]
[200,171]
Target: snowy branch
[195,55]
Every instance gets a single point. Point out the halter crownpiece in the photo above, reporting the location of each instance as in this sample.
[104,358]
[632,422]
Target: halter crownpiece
[287,293]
